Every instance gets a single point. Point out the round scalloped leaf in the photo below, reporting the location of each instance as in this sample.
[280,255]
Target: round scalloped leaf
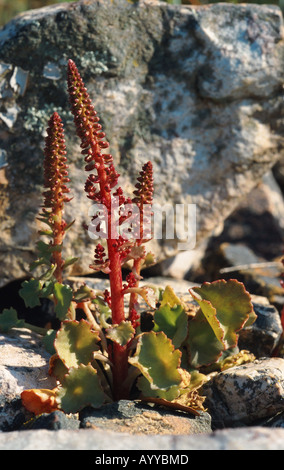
[48,341]
[9,319]
[121,333]
[232,304]
[30,292]
[205,342]
[147,391]
[81,388]
[75,342]
[57,368]
[63,295]
[158,360]
[172,320]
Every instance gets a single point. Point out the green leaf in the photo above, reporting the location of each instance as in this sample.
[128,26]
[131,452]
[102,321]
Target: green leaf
[9,319]
[121,333]
[232,304]
[57,368]
[173,322]
[81,388]
[44,218]
[149,260]
[46,248]
[69,261]
[83,293]
[158,361]
[63,295]
[225,307]
[102,307]
[205,338]
[30,292]
[38,262]
[47,289]
[48,233]
[145,387]
[170,298]
[48,341]
[75,343]
[47,276]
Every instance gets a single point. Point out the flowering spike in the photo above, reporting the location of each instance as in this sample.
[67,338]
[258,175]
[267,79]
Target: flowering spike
[100,263]
[144,187]
[86,119]
[55,167]
[99,188]
[143,197]
[55,179]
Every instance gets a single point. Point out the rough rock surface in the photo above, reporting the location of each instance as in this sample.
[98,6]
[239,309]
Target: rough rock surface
[141,419]
[24,364]
[197,90]
[250,438]
[25,360]
[243,394]
[264,335]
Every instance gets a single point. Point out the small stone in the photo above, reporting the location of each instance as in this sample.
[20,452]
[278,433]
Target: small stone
[52,421]
[12,414]
[262,337]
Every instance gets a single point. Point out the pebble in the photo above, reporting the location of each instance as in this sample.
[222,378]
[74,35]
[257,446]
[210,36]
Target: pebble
[263,336]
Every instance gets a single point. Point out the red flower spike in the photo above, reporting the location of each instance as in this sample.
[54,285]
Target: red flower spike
[100,190]
[145,186]
[55,179]
[101,263]
[85,118]
[143,196]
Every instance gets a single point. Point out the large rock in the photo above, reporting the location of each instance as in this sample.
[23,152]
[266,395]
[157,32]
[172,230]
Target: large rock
[245,394]
[197,90]
[24,364]
[249,438]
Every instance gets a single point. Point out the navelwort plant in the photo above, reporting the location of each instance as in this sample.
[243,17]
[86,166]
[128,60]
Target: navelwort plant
[105,356]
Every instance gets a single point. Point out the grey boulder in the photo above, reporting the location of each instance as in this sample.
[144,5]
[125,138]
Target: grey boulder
[196,90]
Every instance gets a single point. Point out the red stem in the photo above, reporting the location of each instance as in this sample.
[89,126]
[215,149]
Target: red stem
[120,353]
